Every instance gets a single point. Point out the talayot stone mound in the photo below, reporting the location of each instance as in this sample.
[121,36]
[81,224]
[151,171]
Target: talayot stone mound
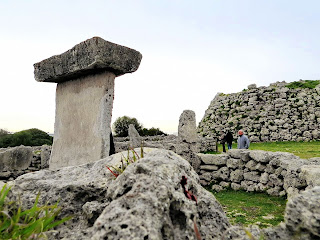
[146,201]
[84,98]
[273,113]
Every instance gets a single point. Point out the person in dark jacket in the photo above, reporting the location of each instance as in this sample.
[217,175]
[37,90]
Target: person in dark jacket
[229,139]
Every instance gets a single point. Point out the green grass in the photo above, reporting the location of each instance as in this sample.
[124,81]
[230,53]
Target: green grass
[244,208]
[304,84]
[303,150]
[32,223]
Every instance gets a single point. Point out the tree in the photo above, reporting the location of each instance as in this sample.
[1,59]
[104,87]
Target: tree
[121,126]
[3,132]
[151,132]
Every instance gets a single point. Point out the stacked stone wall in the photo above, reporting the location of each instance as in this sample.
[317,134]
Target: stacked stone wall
[16,161]
[277,173]
[274,113]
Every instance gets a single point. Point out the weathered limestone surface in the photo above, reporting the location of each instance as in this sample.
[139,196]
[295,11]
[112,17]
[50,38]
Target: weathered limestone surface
[90,56]
[83,117]
[187,129]
[145,202]
[18,158]
[16,161]
[277,173]
[84,98]
[302,215]
[135,139]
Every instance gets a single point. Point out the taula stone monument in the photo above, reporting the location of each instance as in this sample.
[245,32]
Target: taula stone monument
[84,98]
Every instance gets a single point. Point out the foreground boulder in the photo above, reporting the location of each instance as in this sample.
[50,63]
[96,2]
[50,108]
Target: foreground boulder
[146,201]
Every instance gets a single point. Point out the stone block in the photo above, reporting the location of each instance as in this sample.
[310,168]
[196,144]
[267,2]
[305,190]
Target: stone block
[187,129]
[235,186]
[251,165]
[212,159]
[303,212]
[83,119]
[45,156]
[237,153]
[252,176]
[260,156]
[233,163]
[236,176]
[16,159]
[311,174]
[91,56]
[209,167]
[264,178]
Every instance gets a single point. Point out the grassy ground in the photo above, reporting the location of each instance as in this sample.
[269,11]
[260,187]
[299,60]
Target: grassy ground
[302,149]
[244,208]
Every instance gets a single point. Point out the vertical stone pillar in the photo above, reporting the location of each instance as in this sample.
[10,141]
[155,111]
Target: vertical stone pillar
[84,98]
[187,130]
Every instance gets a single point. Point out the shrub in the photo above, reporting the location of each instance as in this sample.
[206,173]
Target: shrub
[151,132]
[30,137]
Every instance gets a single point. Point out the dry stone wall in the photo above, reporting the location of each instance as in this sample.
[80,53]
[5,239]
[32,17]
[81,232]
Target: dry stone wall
[17,161]
[277,173]
[274,113]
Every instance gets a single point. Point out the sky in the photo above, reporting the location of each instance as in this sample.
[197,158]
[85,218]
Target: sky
[191,51]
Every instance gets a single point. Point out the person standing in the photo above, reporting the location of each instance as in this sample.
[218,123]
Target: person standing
[229,139]
[243,141]
[223,142]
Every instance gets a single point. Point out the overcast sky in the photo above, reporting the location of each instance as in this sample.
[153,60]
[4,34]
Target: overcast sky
[191,50]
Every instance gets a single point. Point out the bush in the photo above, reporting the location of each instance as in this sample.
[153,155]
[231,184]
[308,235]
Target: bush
[121,127]
[151,132]
[30,137]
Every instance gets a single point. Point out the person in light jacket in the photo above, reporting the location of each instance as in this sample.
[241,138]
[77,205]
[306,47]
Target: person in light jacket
[243,141]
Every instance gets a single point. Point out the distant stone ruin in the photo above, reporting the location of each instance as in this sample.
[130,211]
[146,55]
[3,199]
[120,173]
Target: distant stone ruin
[187,144]
[84,98]
[267,114]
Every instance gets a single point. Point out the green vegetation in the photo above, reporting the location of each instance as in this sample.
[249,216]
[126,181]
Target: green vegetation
[30,137]
[121,127]
[246,208]
[132,157]
[303,84]
[303,150]
[28,224]
[151,132]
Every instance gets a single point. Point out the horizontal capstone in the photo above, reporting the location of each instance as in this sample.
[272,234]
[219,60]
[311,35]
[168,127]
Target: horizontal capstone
[88,57]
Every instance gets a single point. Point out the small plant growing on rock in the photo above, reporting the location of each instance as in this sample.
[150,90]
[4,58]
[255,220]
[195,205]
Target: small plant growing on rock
[28,224]
[126,161]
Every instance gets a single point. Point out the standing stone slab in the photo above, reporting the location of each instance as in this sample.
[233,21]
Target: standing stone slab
[84,98]
[187,130]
